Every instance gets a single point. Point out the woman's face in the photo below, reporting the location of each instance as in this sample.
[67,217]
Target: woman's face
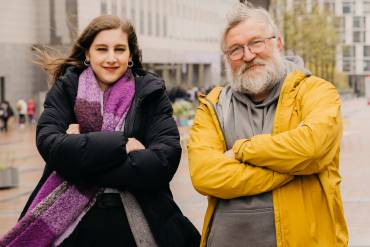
[109,55]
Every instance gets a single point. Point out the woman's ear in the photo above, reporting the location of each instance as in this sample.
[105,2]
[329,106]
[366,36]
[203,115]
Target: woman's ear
[87,56]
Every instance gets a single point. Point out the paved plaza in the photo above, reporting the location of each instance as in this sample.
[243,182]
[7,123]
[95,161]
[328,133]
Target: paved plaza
[17,148]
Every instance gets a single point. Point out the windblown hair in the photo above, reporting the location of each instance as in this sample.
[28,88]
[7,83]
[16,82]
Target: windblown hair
[55,64]
[244,11]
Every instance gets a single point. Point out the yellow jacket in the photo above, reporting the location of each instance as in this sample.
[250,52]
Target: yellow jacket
[299,162]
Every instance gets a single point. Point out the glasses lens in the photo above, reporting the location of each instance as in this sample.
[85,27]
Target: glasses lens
[257,47]
[236,53]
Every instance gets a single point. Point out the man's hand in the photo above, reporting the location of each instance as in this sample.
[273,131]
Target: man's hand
[230,154]
[73,129]
[133,145]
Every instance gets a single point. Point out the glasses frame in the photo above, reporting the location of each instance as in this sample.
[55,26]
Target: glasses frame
[251,50]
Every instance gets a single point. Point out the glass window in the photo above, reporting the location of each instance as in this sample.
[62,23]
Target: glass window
[164,26]
[150,30]
[157,24]
[103,8]
[358,36]
[366,65]
[366,51]
[329,7]
[349,51]
[340,23]
[366,7]
[359,21]
[348,7]
[348,65]
[133,15]
[123,9]
[114,7]
[142,26]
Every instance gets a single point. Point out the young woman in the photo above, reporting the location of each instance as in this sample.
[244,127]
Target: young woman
[111,148]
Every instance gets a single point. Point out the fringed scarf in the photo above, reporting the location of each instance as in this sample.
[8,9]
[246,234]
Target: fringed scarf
[59,205]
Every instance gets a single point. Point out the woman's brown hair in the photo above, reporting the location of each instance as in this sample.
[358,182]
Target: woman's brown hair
[56,65]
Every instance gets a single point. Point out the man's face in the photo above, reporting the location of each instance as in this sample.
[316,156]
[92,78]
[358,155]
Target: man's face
[254,72]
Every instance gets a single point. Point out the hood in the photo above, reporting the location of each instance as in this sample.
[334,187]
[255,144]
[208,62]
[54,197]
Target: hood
[296,63]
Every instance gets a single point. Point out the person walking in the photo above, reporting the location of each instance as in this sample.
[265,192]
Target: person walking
[22,112]
[111,148]
[265,148]
[31,111]
[6,112]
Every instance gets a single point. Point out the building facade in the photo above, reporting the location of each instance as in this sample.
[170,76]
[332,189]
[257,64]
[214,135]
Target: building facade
[179,38]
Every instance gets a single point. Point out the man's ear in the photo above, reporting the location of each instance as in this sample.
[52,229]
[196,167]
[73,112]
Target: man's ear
[280,44]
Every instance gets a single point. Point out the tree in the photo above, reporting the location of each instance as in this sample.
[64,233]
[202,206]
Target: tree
[309,33]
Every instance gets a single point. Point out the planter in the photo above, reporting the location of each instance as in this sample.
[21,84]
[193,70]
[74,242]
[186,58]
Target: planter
[8,177]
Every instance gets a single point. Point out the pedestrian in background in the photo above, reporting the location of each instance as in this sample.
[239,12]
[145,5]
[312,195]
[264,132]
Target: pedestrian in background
[31,111]
[22,112]
[111,149]
[265,148]
[6,112]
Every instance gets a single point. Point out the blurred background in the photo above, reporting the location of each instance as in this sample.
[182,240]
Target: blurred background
[180,40]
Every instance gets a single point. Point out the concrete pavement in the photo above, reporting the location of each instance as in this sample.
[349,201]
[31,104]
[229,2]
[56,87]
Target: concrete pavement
[17,148]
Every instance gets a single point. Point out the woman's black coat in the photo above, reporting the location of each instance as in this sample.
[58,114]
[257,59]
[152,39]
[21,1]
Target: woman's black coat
[100,158]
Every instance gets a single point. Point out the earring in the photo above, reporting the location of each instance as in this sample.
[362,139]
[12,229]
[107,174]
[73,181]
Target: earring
[130,64]
[86,63]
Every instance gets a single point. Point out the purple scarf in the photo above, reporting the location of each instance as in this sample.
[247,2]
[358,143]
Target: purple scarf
[59,205]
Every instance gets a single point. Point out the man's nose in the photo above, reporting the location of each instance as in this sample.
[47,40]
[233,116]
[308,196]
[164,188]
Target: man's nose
[248,55]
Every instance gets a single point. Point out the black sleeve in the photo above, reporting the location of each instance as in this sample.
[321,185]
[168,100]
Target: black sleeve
[155,166]
[79,156]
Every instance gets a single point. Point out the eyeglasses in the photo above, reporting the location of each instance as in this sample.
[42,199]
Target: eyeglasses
[237,52]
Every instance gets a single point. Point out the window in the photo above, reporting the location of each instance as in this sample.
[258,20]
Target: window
[340,23]
[103,8]
[133,15]
[2,88]
[142,25]
[366,51]
[358,22]
[349,51]
[329,7]
[157,24]
[164,26]
[358,36]
[366,7]
[349,65]
[348,7]
[114,7]
[123,9]
[366,65]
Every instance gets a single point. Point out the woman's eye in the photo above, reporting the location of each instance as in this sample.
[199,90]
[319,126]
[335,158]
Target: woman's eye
[120,49]
[101,49]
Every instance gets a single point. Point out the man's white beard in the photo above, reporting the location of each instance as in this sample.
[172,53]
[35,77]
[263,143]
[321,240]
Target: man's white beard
[266,75]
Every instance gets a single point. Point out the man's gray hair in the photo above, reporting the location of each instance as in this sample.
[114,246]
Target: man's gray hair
[245,11]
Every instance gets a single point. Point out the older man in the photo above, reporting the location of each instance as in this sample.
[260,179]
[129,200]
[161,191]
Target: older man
[265,149]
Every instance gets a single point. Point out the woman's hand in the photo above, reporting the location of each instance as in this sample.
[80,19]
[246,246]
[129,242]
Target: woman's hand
[73,129]
[133,145]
